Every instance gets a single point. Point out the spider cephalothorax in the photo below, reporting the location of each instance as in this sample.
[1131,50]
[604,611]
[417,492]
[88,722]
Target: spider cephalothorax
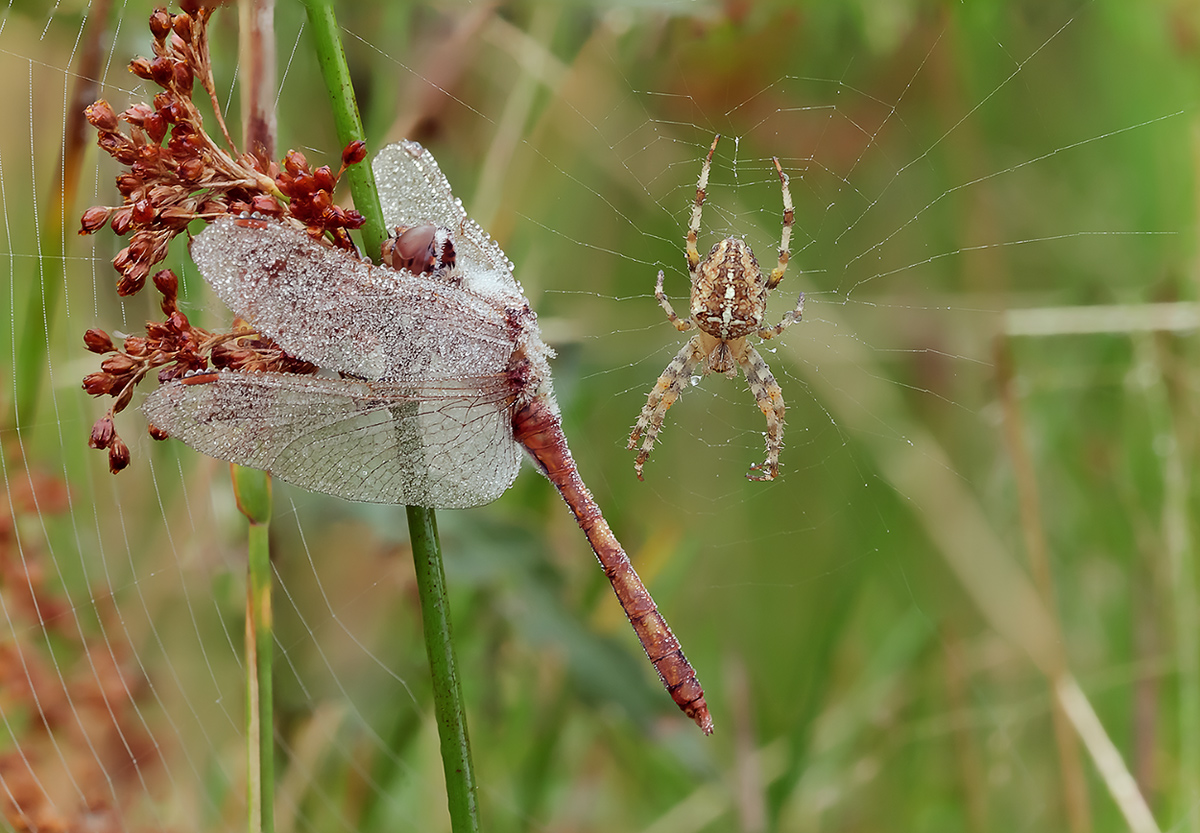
[728,304]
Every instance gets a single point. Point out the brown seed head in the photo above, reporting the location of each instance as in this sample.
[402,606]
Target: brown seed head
[156,127]
[166,282]
[101,116]
[103,432]
[295,163]
[143,212]
[266,204]
[98,341]
[118,455]
[183,78]
[354,152]
[182,24]
[93,219]
[128,184]
[162,71]
[98,384]
[160,24]
[324,179]
[136,346]
[122,220]
[122,399]
[140,67]
[190,170]
[118,364]
[132,280]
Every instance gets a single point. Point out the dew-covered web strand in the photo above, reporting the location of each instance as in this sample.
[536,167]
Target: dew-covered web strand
[31,480]
[376,739]
[173,556]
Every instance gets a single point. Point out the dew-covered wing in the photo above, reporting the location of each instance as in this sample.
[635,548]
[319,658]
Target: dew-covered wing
[413,191]
[447,445]
[327,307]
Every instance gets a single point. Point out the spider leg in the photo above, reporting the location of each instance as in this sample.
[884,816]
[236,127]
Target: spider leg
[790,318]
[693,254]
[770,401]
[666,390]
[789,217]
[681,324]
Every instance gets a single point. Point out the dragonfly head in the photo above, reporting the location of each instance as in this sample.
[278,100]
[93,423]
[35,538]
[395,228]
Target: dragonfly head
[422,250]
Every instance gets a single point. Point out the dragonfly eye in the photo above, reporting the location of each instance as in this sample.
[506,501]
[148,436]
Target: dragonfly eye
[422,250]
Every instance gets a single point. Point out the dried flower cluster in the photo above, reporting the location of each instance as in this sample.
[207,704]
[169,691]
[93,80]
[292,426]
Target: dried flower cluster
[177,173]
[174,347]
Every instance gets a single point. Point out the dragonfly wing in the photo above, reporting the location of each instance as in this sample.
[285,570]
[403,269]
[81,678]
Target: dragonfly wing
[342,313]
[449,446]
[413,190]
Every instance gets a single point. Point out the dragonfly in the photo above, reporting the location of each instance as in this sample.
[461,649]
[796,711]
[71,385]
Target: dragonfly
[435,379]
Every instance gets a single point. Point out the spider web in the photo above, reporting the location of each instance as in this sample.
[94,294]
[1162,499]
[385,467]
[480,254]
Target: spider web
[993,233]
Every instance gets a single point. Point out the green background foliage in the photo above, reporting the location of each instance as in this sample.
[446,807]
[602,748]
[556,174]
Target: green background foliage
[868,628]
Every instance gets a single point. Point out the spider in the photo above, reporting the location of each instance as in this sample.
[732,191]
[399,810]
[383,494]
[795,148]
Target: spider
[728,303]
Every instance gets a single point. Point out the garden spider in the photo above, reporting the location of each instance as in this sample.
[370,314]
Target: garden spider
[728,303]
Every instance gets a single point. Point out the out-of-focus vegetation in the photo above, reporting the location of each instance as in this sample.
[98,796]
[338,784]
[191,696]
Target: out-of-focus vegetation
[969,602]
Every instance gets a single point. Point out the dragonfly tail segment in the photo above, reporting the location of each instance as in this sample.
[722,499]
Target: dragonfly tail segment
[539,429]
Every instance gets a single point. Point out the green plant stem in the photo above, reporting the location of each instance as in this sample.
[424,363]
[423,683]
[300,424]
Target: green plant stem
[422,523]
[443,667]
[253,491]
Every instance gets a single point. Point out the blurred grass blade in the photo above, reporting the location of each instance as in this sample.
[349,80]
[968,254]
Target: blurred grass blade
[33,343]
[253,491]
[923,473]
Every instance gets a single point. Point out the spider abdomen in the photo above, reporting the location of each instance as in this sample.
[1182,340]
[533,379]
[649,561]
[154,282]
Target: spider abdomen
[729,297]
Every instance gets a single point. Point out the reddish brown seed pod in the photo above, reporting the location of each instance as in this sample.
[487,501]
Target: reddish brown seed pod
[157,433]
[122,220]
[103,432]
[132,281]
[190,170]
[101,116]
[354,152]
[117,364]
[162,71]
[160,24]
[167,283]
[128,184]
[143,212]
[118,455]
[183,78]
[93,219]
[156,127]
[140,67]
[182,24]
[98,341]
[98,384]
[323,177]
[266,204]
[295,163]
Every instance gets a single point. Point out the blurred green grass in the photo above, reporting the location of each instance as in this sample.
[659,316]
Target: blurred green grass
[864,663]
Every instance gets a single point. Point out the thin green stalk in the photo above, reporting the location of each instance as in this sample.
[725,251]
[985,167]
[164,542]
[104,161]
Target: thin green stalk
[443,667]
[253,491]
[422,523]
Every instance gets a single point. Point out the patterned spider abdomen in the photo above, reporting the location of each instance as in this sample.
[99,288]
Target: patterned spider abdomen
[729,297]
